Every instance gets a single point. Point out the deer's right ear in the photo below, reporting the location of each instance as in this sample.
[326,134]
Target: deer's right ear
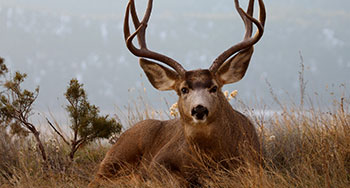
[160,77]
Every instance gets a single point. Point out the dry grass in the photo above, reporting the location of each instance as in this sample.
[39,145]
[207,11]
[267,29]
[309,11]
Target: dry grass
[302,148]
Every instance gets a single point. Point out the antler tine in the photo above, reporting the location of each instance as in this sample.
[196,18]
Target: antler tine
[262,15]
[248,40]
[140,32]
[134,16]
[248,23]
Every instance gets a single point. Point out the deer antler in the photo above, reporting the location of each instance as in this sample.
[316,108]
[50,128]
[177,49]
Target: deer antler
[248,41]
[140,32]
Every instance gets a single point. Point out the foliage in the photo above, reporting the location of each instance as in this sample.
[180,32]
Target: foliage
[16,106]
[86,123]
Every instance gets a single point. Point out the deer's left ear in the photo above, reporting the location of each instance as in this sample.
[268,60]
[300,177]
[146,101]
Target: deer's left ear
[235,68]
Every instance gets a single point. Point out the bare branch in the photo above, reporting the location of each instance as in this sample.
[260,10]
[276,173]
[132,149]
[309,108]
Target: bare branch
[58,132]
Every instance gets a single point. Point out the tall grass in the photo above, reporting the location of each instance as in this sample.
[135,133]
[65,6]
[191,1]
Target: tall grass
[303,147]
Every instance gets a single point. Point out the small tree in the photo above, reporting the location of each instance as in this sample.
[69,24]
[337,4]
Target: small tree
[86,123]
[16,106]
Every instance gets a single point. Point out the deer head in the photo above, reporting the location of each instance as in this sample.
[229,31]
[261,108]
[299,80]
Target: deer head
[199,91]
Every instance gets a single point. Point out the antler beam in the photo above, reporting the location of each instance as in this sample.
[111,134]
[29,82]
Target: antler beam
[140,32]
[248,41]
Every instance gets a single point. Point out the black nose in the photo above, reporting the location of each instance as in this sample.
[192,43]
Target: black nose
[199,112]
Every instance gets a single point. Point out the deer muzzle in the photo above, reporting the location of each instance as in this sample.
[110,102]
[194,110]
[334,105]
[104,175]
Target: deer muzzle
[199,112]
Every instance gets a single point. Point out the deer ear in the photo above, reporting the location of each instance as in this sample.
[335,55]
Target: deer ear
[160,77]
[235,68]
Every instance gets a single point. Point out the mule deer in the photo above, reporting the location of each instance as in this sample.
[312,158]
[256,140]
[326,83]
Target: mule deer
[207,121]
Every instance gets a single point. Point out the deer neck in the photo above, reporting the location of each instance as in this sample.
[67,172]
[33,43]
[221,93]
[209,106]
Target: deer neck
[209,135]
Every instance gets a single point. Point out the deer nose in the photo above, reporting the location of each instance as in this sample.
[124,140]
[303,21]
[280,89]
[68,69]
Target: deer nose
[199,112]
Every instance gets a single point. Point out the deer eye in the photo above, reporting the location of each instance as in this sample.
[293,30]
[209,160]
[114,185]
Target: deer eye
[213,89]
[184,90]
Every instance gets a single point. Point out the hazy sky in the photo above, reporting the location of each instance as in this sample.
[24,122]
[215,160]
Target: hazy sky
[56,40]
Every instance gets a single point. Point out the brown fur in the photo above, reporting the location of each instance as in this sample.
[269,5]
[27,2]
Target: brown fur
[174,144]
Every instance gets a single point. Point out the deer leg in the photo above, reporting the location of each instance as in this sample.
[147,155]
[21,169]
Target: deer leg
[121,160]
